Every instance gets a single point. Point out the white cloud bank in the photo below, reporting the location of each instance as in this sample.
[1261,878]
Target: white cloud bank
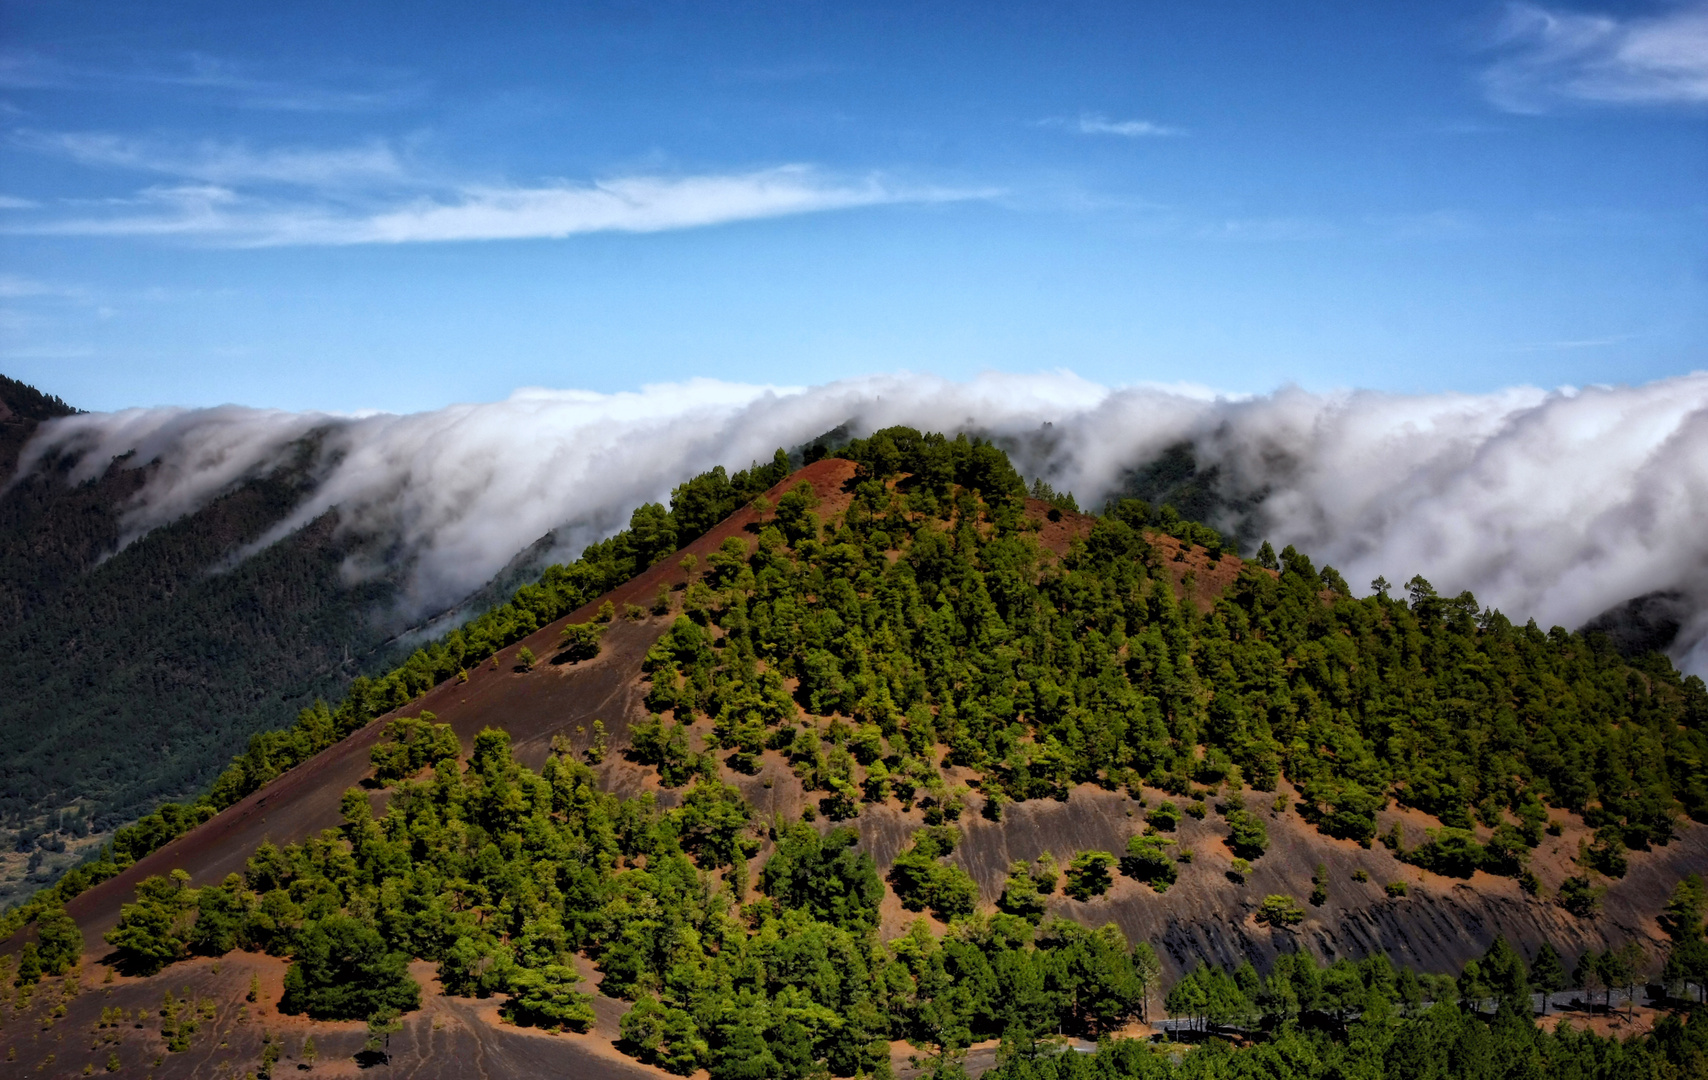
[1555,505]
[1559,55]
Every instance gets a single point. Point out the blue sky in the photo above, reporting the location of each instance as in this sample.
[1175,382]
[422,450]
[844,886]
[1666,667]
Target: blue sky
[397,206]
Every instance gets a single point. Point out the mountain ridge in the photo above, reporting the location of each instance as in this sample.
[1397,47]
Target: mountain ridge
[546,695]
[548,703]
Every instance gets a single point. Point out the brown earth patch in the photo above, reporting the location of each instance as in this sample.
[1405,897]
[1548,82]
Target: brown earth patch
[447,1039]
[1056,536]
[1194,575]
[1618,1024]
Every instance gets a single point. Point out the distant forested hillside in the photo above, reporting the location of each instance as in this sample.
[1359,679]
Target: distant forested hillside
[132,677]
[136,677]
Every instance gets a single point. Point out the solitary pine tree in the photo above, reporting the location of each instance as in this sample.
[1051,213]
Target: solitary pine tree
[1682,919]
[1586,975]
[61,941]
[1547,974]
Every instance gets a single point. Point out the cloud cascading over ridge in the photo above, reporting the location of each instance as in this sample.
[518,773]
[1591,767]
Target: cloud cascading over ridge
[1553,505]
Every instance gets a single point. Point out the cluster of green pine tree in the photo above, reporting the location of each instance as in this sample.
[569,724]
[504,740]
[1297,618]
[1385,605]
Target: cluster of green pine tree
[927,616]
[505,878]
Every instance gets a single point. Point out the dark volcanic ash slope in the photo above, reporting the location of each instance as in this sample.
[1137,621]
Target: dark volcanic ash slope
[1440,924]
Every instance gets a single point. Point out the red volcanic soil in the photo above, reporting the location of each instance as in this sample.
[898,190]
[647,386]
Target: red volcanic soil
[449,1038]
[1195,577]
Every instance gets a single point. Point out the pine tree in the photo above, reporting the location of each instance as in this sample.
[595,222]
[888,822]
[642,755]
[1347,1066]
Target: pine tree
[1503,970]
[344,971]
[1682,919]
[1547,974]
[61,941]
[1624,968]
[151,932]
[1319,886]
[29,965]
[1088,874]
[792,1047]
[1586,975]
[745,1055]
[599,745]
[381,1025]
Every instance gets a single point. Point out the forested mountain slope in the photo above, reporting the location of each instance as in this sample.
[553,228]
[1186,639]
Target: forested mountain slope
[1231,761]
[134,676]
[131,676]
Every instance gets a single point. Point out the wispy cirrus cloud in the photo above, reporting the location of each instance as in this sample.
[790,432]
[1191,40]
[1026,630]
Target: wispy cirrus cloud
[223,162]
[15,287]
[1552,56]
[21,70]
[232,193]
[633,204]
[1268,230]
[364,90]
[223,81]
[220,214]
[1098,124]
[1573,343]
